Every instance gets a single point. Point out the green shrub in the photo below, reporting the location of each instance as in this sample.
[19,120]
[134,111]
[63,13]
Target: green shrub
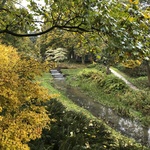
[101,68]
[113,84]
[93,75]
[134,72]
[85,74]
[138,100]
[92,65]
[109,83]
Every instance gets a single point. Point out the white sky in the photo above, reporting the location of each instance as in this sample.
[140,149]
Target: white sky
[24,3]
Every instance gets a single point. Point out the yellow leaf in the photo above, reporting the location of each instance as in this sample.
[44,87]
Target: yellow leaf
[136,2]
[131,19]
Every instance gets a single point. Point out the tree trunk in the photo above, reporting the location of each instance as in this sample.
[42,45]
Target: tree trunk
[148,72]
[91,58]
[108,69]
[83,59]
[71,55]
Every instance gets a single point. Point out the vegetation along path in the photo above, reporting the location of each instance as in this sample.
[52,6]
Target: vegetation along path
[128,127]
[126,81]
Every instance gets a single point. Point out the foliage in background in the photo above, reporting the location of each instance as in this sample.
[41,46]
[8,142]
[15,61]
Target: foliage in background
[22,113]
[135,72]
[57,55]
[124,24]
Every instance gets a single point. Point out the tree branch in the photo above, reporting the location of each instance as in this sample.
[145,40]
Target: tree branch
[68,28]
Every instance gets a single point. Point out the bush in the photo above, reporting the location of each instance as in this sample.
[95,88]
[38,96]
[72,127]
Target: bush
[134,72]
[112,84]
[138,100]
[109,83]
[94,75]
[92,65]
[22,117]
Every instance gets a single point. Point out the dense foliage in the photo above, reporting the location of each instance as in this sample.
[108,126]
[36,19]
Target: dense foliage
[123,26]
[22,113]
[72,130]
[135,72]
[110,84]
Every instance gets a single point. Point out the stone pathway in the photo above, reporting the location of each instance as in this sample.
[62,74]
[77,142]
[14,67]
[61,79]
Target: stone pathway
[126,81]
[57,75]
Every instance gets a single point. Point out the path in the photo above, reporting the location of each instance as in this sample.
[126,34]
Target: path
[126,81]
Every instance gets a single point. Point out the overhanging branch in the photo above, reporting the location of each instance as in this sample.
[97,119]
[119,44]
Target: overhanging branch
[68,28]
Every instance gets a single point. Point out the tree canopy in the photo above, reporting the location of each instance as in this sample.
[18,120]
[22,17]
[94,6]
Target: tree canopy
[69,15]
[125,23]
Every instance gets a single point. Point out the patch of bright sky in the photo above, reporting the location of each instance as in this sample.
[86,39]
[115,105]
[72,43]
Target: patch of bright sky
[25,3]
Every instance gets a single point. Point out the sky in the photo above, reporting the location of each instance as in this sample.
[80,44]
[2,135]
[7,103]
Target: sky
[24,3]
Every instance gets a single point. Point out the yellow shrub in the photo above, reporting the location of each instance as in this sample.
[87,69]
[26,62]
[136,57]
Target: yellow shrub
[131,63]
[136,2]
[22,117]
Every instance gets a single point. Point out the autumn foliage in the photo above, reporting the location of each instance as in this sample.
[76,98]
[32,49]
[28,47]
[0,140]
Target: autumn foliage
[22,113]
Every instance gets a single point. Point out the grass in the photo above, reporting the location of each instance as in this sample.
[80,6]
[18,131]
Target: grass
[47,81]
[127,104]
[140,82]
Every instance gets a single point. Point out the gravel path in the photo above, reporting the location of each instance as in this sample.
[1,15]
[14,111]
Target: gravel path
[126,81]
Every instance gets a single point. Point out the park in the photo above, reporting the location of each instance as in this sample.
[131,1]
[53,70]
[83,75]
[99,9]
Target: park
[75,75]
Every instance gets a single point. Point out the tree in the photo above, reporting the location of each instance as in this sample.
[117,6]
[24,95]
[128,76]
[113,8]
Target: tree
[20,20]
[57,55]
[23,44]
[87,45]
[22,111]
[124,23]
[81,16]
[64,39]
